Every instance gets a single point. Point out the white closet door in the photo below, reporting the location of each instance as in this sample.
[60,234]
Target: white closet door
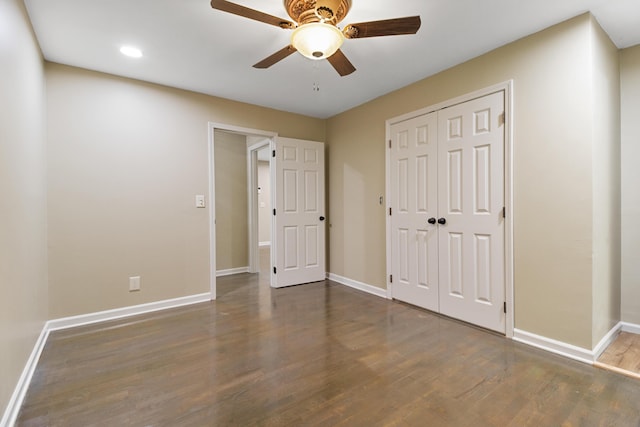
[471,201]
[414,201]
[298,242]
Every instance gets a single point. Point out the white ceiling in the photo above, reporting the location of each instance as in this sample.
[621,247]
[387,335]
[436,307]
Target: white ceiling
[189,45]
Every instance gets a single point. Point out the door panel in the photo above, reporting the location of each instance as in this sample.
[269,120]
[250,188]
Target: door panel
[454,181]
[298,243]
[414,187]
[311,250]
[455,264]
[471,199]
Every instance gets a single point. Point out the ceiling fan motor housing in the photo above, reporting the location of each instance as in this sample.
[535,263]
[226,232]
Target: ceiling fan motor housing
[327,11]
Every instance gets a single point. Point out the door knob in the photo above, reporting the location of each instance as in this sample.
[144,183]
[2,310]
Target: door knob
[442,221]
[431,220]
[321,218]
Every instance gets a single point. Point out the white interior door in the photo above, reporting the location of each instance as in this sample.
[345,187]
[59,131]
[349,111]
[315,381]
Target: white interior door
[471,201]
[447,200]
[298,240]
[414,241]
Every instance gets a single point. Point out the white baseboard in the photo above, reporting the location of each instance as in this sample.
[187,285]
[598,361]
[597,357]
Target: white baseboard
[630,327]
[568,350]
[13,408]
[374,290]
[558,347]
[606,341]
[264,244]
[118,313]
[15,403]
[231,271]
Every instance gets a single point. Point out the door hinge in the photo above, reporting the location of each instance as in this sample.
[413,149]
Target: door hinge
[275,270]
[391,278]
[501,119]
[390,211]
[504,307]
[273,153]
[389,143]
[274,212]
[504,212]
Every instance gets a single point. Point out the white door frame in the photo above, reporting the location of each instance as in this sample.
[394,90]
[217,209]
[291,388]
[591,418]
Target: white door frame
[212,127]
[507,87]
[252,180]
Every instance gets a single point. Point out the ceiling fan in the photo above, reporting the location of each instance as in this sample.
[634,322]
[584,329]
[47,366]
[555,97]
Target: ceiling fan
[315,31]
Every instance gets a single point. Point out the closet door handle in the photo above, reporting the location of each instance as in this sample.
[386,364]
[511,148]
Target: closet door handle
[431,220]
[442,221]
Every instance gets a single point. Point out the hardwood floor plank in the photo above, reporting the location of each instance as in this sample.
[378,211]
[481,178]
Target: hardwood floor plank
[319,355]
[624,353]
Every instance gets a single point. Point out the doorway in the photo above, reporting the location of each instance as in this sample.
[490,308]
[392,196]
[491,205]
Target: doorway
[234,226]
[297,235]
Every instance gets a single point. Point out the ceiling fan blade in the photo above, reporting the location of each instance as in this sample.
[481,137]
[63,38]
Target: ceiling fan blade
[276,57]
[387,27]
[246,12]
[343,66]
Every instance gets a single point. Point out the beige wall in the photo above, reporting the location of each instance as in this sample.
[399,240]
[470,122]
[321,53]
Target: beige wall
[264,212]
[23,246]
[553,169]
[232,245]
[630,101]
[126,160]
[606,183]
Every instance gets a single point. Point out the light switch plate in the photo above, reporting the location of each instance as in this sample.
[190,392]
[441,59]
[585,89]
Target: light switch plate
[200,201]
[134,283]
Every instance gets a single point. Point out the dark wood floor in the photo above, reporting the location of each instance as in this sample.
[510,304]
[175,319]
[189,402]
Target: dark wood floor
[318,354]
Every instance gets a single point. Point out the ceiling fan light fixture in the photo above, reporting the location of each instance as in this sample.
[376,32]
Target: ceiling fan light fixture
[317,40]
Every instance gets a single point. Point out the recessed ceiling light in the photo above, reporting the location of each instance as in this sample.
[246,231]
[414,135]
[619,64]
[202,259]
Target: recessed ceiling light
[131,51]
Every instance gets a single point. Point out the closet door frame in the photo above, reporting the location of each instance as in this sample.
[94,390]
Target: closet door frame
[507,88]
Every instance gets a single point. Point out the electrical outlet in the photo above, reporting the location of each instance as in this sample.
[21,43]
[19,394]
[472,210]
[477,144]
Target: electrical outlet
[134,283]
